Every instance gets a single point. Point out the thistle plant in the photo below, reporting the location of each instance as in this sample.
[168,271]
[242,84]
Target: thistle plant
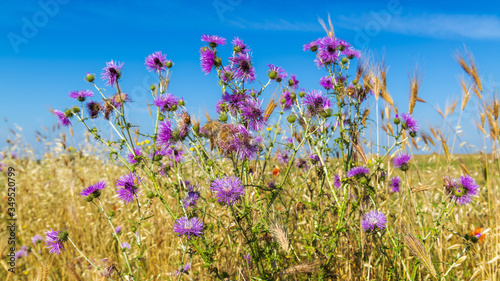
[281,173]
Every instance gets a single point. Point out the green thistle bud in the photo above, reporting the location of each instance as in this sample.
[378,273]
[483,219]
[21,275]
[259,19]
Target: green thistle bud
[89,198]
[341,48]
[405,167]
[290,82]
[161,118]
[90,77]
[68,113]
[157,157]
[196,128]
[344,60]
[63,235]
[237,49]
[75,109]
[223,117]
[283,101]
[459,191]
[96,193]
[302,94]
[210,162]
[413,134]
[153,87]
[173,108]
[111,213]
[181,103]
[150,194]
[272,74]
[396,121]
[363,180]
[133,228]
[278,79]
[293,95]
[218,61]
[326,113]
[314,48]
[169,64]
[291,118]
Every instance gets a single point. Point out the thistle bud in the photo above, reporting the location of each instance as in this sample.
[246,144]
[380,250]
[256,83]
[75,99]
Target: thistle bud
[181,102]
[272,74]
[396,120]
[291,118]
[210,162]
[63,235]
[302,94]
[133,228]
[218,62]
[344,60]
[90,77]
[223,117]
[152,87]
[150,194]
[75,109]
[169,64]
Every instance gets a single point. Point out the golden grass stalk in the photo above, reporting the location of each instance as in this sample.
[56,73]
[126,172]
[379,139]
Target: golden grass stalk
[466,96]
[302,268]
[416,247]
[470,68]
[415,84]
[330,32]
[279,233]
[270,108]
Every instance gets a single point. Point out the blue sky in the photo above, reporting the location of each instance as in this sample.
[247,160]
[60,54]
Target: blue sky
[45,52]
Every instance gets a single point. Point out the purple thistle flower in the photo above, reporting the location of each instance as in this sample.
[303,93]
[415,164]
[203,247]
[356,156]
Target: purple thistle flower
[312,46]
[293,82]
[401,161]
[253,115]
[227,74]
[164,134]
[118,229]
[129,187]
[463,190]
[276,73]
[316,102]
[36,239]
[94,190]
[175,153]
[234,102]
[189,227]
[337,183]
[351,53]
[112,72]
[343,44]
[132,159]
[207,60]
[374,219]
[182,269]
[55,240]
[191,199]
[314,159]
[81,95]
[166,102]
[395,184]
[301,163]
[156,62]
[228,190]
[327,82]
[286,100]
[61,116]
[409,123]
[282,157]
[21,253]
[358,172]
[213,40]
[242,67]
[126,245]
[327,51]
[239,46]
[93,109]
[246,145]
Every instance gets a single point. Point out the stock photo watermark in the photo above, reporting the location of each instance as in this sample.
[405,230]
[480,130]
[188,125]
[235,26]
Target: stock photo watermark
[32,24]
[223,6]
